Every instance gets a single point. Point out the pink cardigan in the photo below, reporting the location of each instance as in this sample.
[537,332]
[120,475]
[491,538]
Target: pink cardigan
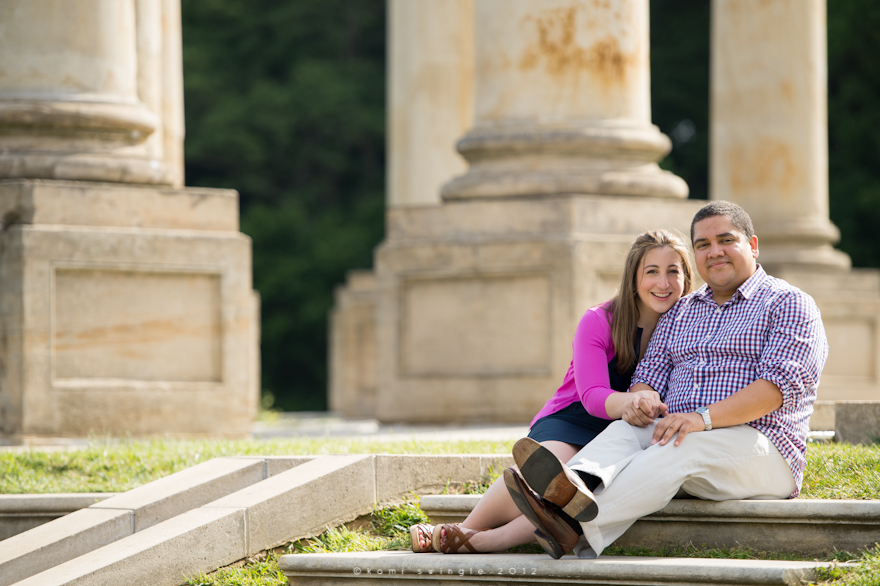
[587,378]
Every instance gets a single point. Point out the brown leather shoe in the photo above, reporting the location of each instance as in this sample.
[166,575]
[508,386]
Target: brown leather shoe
[553,480]
[554,534]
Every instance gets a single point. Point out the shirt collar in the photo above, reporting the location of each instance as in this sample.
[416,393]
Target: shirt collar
[753,283]
[745,291]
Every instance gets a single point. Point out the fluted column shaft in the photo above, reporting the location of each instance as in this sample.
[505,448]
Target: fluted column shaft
[769,142]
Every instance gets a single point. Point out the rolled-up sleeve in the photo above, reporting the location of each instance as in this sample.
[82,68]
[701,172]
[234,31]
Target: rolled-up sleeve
[796,348]
[656,366]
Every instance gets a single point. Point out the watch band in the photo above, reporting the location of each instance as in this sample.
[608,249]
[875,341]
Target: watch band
[704,412]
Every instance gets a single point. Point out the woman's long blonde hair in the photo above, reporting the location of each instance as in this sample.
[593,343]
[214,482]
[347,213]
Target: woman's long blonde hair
[623,310]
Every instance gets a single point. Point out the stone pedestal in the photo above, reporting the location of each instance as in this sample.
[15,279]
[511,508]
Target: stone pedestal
[125,309]
[478,301]
[126,304]
[352,372]
[850,306]
[770,154]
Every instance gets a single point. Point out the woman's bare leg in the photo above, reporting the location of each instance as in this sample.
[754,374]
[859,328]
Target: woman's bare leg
[496,514]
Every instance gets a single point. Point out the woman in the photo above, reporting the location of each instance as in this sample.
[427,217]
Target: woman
[610,340]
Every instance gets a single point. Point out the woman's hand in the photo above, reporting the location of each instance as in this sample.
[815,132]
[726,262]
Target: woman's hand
[643,407]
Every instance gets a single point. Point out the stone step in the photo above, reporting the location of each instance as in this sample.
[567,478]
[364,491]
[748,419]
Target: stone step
[324,491]
[21,512]
[127,513]
[813,528]
[387,567]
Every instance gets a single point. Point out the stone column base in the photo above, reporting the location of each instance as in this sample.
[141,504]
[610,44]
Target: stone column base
[124,310]
[475,303]
[352,369]
[478,301]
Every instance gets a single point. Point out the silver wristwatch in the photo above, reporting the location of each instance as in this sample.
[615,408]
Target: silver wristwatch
[704,412]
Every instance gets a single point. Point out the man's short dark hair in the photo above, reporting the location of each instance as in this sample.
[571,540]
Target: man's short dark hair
[738,216]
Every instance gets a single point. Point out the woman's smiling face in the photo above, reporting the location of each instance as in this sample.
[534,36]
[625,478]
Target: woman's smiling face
[660,281]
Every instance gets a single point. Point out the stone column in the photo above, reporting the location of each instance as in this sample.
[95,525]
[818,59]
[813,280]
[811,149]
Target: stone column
[769,153]
[430,96]
[769,142]
[127,303]
[478,298]
[562,103]
[82,90]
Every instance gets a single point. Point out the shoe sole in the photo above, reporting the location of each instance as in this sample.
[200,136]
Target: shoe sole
[550,545]
[519,500]
[548,477]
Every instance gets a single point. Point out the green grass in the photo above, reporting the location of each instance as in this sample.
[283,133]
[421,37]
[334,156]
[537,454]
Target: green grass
[259,572]
[866,573]
[730,553]
[834,471]
[842,471]
[388,529]
[106,466]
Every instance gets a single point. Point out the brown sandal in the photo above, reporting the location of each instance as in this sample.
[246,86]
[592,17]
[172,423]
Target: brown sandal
[455,539]
[423,532]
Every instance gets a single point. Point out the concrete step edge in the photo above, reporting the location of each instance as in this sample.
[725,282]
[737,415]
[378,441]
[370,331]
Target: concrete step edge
[341,568]
[324,491]
[795,511]
[47,503]
[80,532]
[815,528]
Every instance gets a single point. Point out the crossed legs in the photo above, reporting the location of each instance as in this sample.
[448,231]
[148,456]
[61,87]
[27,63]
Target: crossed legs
[639,478]
[500,523]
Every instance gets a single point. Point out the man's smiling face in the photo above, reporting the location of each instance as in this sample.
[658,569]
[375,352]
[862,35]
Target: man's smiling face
[725,257]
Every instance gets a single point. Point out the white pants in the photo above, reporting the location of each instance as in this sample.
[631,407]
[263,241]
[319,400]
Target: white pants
[639,478]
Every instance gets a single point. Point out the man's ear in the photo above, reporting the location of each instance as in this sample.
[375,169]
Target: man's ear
[753,243]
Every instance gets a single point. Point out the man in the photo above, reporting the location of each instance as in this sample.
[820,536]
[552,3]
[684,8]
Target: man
[735,366]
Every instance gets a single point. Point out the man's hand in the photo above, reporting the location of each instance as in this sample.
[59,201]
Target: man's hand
[681,423]
[643,407]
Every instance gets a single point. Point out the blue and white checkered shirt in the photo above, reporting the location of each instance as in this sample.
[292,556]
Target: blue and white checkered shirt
[701,353]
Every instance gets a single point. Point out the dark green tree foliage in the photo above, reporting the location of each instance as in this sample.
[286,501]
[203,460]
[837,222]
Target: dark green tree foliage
[853,122]
[285,102]
[680,87]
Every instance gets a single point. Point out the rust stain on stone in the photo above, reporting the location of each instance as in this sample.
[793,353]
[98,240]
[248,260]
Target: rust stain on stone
[787,91]
[558,52]
[767,166]
[145,332]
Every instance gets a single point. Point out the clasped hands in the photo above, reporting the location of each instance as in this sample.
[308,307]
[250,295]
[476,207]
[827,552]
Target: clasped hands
[644,407]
